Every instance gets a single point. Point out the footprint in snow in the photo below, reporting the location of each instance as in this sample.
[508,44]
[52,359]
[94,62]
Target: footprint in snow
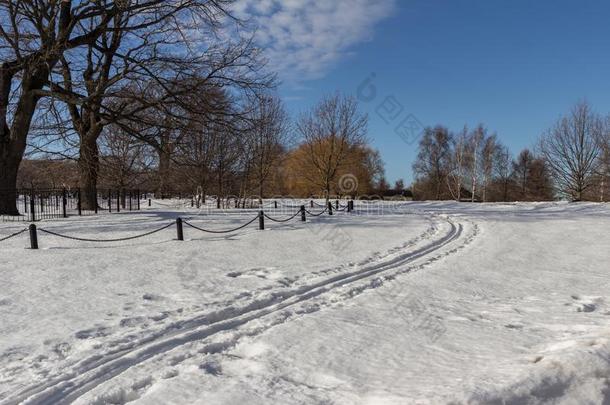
[130,322]
[170,374]
[92,333]
[211,367]
[152,297]
[62,349]
[159,317]
[175,360]
[586,303]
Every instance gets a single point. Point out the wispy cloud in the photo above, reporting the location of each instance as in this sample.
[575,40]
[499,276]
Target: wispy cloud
[303,39]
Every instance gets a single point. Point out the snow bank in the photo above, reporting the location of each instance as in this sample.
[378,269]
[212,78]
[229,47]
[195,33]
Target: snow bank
[571,372]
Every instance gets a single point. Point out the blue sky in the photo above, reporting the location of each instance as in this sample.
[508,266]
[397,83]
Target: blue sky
[514,66]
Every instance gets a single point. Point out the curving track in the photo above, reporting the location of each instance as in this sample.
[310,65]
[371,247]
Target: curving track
[93,372]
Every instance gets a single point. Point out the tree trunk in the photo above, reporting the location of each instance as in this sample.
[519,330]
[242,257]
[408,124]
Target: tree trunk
[474,189]
[88,165]
[13,139]
[438,188]
[260,192]
[8,184]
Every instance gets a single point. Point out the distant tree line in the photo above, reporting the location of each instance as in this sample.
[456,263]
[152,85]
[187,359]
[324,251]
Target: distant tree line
[571,160]
[262,153]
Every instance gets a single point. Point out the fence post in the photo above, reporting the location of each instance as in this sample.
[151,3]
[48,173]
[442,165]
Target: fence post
[95,205]
[33,237]
[337,205]
[275,204]
[330,208]
[32,206]
[311,204]
[303,213]
[150,202]
[261,220]
[64,202]
[79,203]
[179,228]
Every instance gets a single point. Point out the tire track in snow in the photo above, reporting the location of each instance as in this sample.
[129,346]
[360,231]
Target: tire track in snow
[92,372]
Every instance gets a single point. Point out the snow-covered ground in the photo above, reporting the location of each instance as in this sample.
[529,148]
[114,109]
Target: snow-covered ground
[407,303]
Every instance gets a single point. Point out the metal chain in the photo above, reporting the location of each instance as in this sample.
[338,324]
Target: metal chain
[13,235]
[224,231]
[105,240]
[282,220]
[318,214]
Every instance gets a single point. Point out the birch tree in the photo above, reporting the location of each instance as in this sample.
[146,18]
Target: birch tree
[458,164]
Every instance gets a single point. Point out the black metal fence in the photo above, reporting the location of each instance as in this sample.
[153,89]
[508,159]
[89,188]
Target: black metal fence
[38,204]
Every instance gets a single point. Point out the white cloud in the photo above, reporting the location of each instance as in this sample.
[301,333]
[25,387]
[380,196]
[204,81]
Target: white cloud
[303,39]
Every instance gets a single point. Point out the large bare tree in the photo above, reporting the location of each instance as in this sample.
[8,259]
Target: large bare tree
[268,136]
[433,162]
[33,37]
[142,47]
[571,149]
[328,131]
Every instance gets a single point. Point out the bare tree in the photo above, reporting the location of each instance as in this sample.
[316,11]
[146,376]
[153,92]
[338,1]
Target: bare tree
[603,167]
[572,148]
[488,155]
[521,170]
[198,150]
[33,37]
[502,171]
[123,159]
[38,36]
[434,158]
[269,135]
[328,132]
[140,47]
[399,186]
[474,158]
[455,179]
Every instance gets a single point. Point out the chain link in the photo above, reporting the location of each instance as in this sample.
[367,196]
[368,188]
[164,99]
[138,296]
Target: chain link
[13,235]
[282,220]
[105,240]
[224,231]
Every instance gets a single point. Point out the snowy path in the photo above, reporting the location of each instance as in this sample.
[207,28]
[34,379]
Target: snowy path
[90,373]
[508,310]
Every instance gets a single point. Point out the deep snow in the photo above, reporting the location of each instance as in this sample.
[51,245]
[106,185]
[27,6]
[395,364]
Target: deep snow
[408,303]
